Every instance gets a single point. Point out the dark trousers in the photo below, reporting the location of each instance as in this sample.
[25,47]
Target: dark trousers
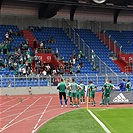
[62,94]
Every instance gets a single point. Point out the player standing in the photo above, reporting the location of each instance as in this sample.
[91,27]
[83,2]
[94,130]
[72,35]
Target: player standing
[107,87]
[128,85]
[82,92]
[92,89]
[62,87]
[74,87]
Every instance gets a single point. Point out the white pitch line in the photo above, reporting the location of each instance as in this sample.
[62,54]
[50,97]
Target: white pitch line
[100,123]
[42,115]
[51,119]
[3,128]
[13,106]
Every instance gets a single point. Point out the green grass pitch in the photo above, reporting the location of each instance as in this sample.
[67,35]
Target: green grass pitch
[118,120]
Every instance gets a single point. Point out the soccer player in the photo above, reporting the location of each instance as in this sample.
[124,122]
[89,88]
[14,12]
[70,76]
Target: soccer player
[112,85]
[82,92]
[62,87]
[128,85]
[92,89]
[74,87]
[68,90]
[107,87]
[122,85]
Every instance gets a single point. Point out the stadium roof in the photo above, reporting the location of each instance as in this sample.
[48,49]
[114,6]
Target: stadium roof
[49,8]
[119,4]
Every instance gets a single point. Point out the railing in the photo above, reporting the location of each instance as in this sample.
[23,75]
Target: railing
[41,81]
[116,47]
[98,64]
[97,29]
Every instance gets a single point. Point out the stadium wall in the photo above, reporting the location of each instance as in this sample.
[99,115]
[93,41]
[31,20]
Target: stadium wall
[24,14]
[25,91]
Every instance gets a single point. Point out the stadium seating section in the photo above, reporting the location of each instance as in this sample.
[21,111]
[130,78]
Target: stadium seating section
[66,48]
[124,38]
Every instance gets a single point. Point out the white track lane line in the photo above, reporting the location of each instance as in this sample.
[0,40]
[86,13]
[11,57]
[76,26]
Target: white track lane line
[9,101]
[52,118]
[3,128]
[19,121]
[42,115]
[13,106]
[100,123]
[38,108]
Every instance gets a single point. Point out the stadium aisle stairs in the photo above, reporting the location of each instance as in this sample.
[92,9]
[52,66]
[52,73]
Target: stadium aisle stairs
[30,37]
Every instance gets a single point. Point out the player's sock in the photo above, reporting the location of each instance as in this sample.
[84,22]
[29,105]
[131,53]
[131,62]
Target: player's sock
[102,101]
[108,100]
[66,101]
[61,102]
[70,99]
[94,103]
[81,100]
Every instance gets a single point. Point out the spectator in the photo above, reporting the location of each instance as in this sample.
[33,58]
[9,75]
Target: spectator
[7,36]
[39,28]
[51,40]
[44,73]
[35,43]
[1,60]
[31,28]
[80,55]
[122,85]
[5,48]
[42,45]
[78,68]
[128,85]
[9,83]
[30,90]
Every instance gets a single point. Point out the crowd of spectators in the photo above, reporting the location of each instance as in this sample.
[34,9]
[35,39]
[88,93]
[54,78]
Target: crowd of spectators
[20,60]
[67,67]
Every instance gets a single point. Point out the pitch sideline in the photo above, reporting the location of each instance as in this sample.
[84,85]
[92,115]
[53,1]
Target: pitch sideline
[101,124]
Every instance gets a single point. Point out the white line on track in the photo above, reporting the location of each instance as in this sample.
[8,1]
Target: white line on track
[100,123]
[54,106]
[3,128]
[8,101]
[42,115]
[13,106]
[50,119]
[37,115]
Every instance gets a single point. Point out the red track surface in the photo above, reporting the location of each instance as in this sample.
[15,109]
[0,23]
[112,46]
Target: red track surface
[33,112]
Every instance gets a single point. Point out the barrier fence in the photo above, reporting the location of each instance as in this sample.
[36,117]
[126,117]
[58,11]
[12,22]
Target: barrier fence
[40,81]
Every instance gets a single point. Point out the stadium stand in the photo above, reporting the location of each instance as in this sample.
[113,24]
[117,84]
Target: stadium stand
[55,39]
[99,48]
[124,38]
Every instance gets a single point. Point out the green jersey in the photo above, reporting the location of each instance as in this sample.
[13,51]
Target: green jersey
[62,87]
[74,87]
[92,88]
[67,89]
[107,88]
[83,87]
[128,86]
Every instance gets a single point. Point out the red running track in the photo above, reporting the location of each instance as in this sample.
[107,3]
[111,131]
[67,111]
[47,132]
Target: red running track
[26,114]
